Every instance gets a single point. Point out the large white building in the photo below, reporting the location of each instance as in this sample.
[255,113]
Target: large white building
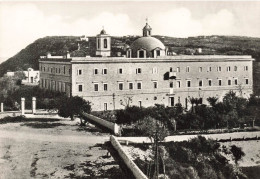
[146,75]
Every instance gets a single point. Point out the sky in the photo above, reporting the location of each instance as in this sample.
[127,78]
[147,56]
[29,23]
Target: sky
[23,22]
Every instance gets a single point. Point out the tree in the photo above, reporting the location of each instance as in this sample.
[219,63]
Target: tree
[237,153]
[157,133]
[73,106]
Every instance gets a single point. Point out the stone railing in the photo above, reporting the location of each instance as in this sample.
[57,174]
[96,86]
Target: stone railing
[129,163]
[109,125]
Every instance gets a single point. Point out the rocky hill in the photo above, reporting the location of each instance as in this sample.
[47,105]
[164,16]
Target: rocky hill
[59,45]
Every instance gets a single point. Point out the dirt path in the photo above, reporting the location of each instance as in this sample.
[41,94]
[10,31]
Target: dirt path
[39,150]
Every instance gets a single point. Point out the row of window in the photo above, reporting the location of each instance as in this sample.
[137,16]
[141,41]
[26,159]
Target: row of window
[55,70]
[120,86]
[209,69]
[104,71]
[53,85]
[200,84]
[155,84]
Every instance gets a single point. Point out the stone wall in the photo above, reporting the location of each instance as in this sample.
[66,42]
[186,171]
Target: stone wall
[110,125]
[129,163]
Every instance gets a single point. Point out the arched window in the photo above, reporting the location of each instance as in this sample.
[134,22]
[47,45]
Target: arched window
[105,43]
[141,54]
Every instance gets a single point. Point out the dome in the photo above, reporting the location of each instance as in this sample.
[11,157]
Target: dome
[147,43]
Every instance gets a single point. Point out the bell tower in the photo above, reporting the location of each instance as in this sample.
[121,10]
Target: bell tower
[103,41]
[147,30]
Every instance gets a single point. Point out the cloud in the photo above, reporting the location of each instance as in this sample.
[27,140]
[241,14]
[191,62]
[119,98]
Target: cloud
[180,23]
[223,22]
[177,23]
[26,23]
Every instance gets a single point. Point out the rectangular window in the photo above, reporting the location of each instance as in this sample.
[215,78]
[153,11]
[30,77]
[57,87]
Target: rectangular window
[178,84]
[178,69]
[43,68]
[155,70]
[235,68]
[120,86]
[188,83]
[59,70]
[138,70]
[80,88]
[64,69]
[56,70]
[105,106]
[245,68]
[79,72]
[228,68]
[200,69]
[219,68]
[105,87]
[104,71]
[155,85]
[120,70]
[171,84]
[219,82]
[210,82]
[95,71]
[140,103]
[246,81]
[131,86]
[236,82]
[200,82]
[139,85]
[187,69]
[95,87]
[209,68]
[229,82]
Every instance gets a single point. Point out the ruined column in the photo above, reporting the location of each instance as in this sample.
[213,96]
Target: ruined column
[23,105]
[2,107]
[33,105]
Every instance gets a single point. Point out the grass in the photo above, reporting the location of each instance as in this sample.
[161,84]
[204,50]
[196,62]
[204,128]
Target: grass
[42,125]
[19,119]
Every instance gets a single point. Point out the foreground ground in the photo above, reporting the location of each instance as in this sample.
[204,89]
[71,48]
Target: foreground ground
[59,148]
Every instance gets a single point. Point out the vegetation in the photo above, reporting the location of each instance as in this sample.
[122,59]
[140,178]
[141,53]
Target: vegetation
[233,111]
[197,158]
[73,106]
[59,45]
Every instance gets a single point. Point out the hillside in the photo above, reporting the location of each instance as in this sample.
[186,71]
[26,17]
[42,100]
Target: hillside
[59,45]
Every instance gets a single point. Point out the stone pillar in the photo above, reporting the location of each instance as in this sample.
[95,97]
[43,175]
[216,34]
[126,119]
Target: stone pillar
[33,105]
[2,107]
[23,105]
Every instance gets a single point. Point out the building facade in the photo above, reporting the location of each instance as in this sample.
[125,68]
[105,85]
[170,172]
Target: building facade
[144,80]
[32,77]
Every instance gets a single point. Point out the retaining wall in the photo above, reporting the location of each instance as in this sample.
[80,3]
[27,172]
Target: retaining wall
[110,125]
[129,163]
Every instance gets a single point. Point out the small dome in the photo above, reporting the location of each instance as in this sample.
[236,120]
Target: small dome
[147,43]
[103,32]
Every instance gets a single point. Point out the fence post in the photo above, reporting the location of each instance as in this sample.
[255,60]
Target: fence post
[33,105]
[2,107]
[23,105]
